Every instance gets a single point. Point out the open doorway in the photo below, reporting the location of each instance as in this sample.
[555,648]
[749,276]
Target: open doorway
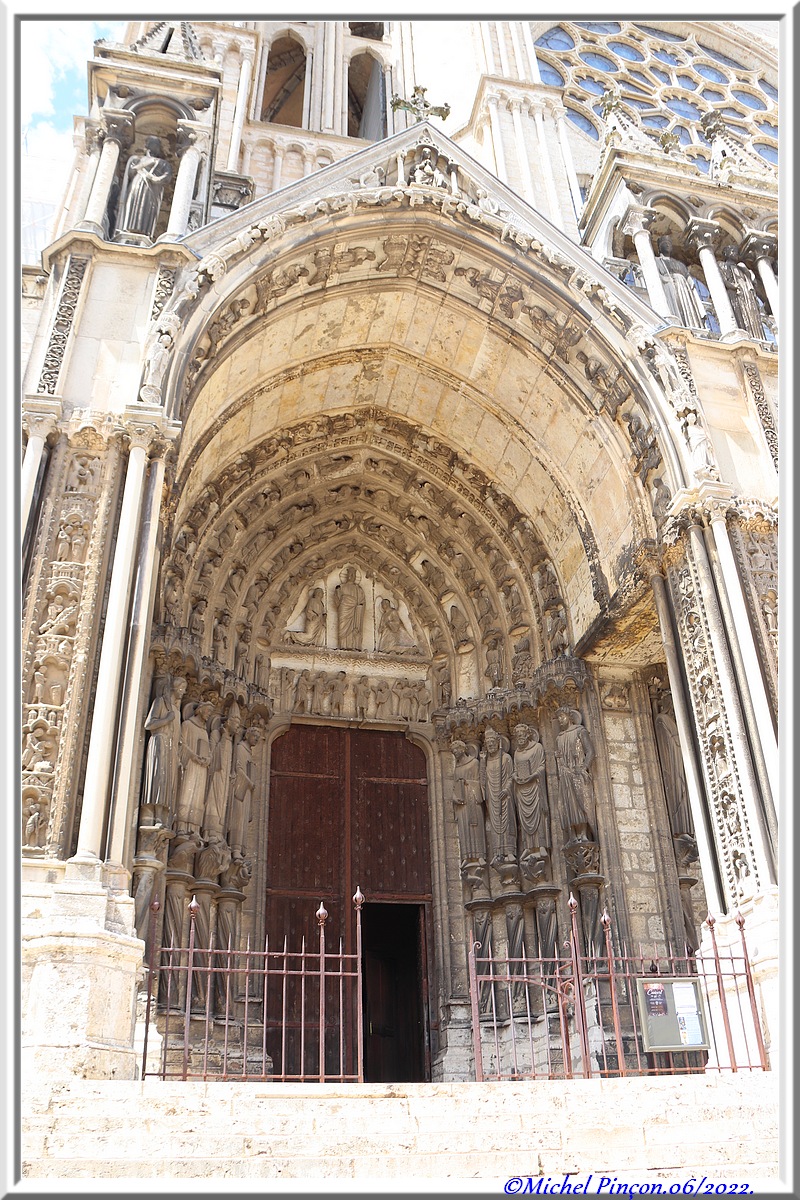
[395,970]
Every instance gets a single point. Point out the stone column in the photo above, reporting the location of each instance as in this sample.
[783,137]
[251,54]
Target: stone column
[536,109]
[515,108]
[683,721]
[116,134]
[560,112]
[636,222]
[247,154]
[40,421]
[101,739]
[703,237]
[122,800]
[240,111]
[277,166]
[497,138]
[93,147]
[761,249]
[193,140]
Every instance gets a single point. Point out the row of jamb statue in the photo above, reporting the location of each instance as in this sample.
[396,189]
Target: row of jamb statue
[501,802]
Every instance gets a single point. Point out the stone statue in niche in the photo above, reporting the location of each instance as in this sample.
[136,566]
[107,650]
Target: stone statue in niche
[221,735]
[195,757]
[349,602]
[39,682]
[146,177]
[83,474]
[740,285]
[241,652]
[240,807]
[163,725]
[468,801]
[315,618]
[494,663]
[155,368]
[681,294]
[530,796]
[557,631]
[661,500]
[497,781]
[319,683]
[700,448]
[574,756]
[425,171]
[393,637]
[672,772]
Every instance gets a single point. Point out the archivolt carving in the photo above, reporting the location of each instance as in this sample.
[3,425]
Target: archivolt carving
[755,542]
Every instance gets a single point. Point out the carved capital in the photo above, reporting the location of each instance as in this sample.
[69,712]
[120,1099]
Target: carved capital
[758,244]
[83,426]
[40,418]
[117,125]
[636,219]
[191,135]
[92,137]
[701,234]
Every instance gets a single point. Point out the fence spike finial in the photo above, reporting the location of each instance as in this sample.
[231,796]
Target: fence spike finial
[573,903]
[358,898]
[321,914]
[605,919]
[194,907]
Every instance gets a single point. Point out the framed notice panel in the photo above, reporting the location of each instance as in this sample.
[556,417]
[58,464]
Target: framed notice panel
[672,1013]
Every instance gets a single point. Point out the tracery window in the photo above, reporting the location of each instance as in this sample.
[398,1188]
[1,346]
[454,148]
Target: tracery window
[664,77]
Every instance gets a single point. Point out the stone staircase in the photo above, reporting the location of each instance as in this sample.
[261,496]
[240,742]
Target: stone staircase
[646,1130]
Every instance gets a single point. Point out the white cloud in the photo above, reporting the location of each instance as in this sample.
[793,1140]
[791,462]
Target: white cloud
[45,162]
[50,51]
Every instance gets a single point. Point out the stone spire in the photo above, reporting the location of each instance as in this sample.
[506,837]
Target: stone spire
[176,39]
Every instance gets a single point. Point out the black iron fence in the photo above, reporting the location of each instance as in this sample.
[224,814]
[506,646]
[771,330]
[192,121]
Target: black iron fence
[612,1014]
[285,1015]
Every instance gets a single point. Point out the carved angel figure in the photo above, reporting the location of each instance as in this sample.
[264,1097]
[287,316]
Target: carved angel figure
[313,632]
[393,637]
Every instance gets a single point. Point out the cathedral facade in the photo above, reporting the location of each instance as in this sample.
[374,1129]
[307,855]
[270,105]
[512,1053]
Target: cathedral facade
[400,514]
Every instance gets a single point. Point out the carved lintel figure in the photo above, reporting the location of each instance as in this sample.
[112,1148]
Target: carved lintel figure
[195,761]
[146,177]
[574,756]
[424,700]
[313,632]
[468,802]
[362,690]
[383,700]
[349,602]
[302,697]
[240,808]
[336,689]
[393,637]
[497,781]
[530,796]
[39,681]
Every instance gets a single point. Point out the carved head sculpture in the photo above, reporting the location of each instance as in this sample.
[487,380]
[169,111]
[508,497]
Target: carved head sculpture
[253,735]
[491,741]
[525,735]
[458,749]
[153,146]
[568,716]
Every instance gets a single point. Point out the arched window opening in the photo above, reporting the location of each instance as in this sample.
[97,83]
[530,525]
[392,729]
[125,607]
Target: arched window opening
[366,99]
[284,87]
[367,29]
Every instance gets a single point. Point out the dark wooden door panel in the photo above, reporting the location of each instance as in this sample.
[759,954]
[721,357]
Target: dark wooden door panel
[390,853]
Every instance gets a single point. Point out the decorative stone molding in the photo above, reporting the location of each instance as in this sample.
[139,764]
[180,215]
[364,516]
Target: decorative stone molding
[755,387]
[66,307]
[718,751]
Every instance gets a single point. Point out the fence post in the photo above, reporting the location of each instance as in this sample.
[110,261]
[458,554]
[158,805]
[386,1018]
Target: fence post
[605,921]
[322,916]
[358,901]
[580,1003]
[477,1049]
[194,909]
[154,910]
[723,1000]
[751,991]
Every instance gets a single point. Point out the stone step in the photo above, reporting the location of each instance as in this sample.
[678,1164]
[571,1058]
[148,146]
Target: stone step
[150,1128]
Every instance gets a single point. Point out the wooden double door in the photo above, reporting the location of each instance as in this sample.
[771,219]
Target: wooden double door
[349,808]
